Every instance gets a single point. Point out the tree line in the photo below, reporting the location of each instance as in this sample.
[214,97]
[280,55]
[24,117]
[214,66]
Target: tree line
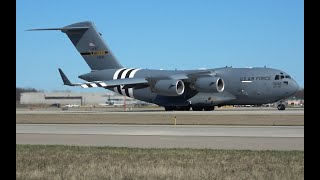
[299,94]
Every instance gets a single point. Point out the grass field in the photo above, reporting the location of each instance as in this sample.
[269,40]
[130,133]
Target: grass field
[259,120]
[75,162]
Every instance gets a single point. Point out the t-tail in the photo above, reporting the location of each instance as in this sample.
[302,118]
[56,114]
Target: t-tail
[90,45]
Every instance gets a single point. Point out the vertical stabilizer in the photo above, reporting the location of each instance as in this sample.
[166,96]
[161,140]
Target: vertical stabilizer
[90,45]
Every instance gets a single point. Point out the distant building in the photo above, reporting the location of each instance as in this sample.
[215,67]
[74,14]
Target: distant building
[295,101]
[78,98]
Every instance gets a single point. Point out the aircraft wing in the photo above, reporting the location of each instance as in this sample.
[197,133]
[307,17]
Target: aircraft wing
[116,82]
[132,82]
[129,82]
[183,76]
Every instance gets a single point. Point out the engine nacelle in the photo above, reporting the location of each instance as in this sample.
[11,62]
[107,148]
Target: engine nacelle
[169,87]
[209,84]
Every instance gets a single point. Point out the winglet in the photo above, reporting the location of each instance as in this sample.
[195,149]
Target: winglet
[65,79]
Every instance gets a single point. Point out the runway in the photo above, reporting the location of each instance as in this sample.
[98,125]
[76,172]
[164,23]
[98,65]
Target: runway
[165,136]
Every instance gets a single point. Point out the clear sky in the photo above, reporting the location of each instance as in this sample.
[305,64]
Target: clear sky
[162,34]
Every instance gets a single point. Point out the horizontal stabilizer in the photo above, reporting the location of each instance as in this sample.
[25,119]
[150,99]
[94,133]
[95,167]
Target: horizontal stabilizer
[64,29]
[65,79]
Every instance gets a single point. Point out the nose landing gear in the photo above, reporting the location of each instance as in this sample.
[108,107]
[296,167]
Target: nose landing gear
[281,106]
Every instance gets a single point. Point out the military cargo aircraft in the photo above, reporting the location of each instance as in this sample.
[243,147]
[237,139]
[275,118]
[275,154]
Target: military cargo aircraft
[200,89]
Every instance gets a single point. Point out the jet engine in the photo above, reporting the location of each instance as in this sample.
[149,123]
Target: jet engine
[209,84]
[169,87]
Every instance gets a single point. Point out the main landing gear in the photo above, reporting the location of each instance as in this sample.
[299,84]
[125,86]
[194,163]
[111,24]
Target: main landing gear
[187,108]
[200,108]
[177,108]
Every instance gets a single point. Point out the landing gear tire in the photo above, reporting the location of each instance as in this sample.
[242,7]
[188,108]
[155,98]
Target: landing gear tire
[209,108]
[281,107]
[197,108]
[168,108]
[177,108]
[187,108]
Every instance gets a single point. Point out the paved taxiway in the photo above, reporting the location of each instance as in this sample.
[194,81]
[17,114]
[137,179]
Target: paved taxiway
[164,136]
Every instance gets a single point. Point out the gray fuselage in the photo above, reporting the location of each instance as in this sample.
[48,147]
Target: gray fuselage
[254,86]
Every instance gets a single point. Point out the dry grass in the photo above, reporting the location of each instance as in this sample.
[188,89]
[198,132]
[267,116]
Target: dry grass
[75,162]
[279,120]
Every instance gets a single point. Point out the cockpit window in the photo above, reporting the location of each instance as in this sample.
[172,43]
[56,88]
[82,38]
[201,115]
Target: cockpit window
[277,77]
